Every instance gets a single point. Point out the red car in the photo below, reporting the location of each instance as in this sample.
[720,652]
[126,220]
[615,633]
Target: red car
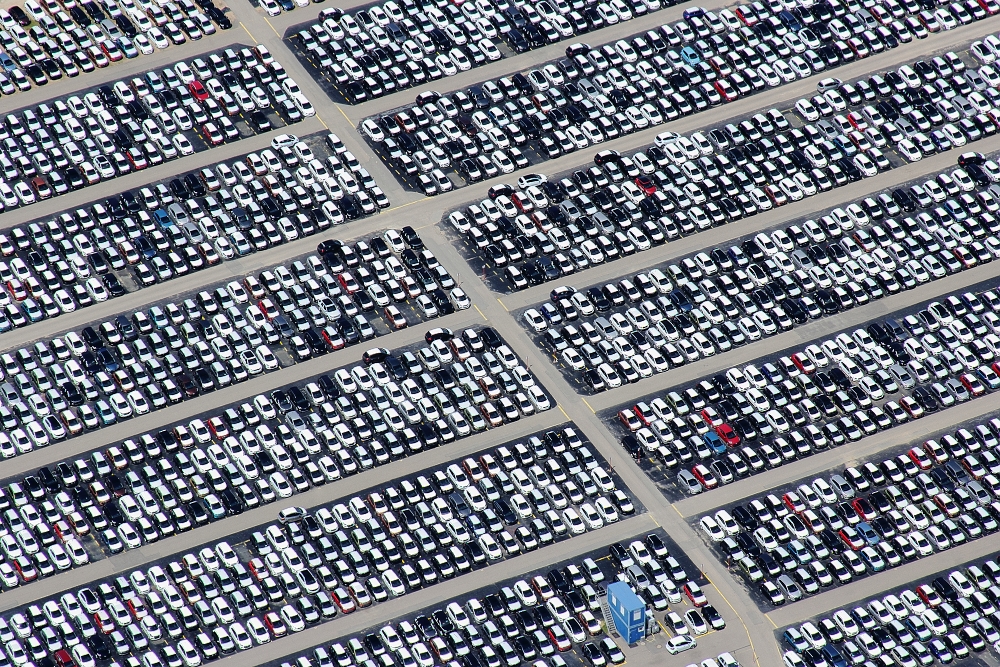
[112,51]
[522,202]
[267,307]
[864,508]
[17,289]
[629,420]
[972,383]
[705,476]
[333,338]
[711,417]
[726,90]
[343,600]
[275,625]
[727,435]
[695,594]
[803,363]
[218,428]
[349,283]
[645,184]
[25,569]
[258,569]
[138,608]
[793,502]
[930,596]
[644,413]
[212,134]
[136,158]
[396,317]
[851,538]
[919,456]
[560,641]
[198,90]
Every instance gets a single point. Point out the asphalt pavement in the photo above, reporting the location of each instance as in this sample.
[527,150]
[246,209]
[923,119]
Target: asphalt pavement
[747,628]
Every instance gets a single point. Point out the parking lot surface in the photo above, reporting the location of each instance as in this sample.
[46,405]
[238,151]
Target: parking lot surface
[165,230]
[196,350]
[595,94]
[934,620]
[762,285]
[574,636]
[404,47]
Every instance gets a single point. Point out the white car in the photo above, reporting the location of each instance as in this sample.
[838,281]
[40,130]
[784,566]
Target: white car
[258,632]
[535,320]
[267,358]
[679,644]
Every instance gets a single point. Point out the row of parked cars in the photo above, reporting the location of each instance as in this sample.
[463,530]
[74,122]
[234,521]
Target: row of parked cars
[184,224]
[256,451]
[951,617]
[46,40]
[868,518]
[836,390]
[129,366]
[917,110]
[430,527]
[547,228]
[727,297]
[117,128]
[394,46]
[597,94]
[548,619]
[307,567]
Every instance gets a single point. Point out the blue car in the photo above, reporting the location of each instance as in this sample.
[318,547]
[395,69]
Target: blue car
[162,218]
[690,55]
[713,440]
[868,533]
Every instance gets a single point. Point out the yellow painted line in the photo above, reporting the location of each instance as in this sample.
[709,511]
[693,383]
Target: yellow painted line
[247,30]
[562,411]
[586,403]
[344,114]
[677,510]
[653,517]
[768,617]
[504,305]
[396,208]
[272,27]
[485,319]
[745,628]
[320,119]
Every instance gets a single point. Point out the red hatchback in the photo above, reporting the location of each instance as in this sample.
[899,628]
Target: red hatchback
[727,435]
[211,134]
[645,184]
[198,90]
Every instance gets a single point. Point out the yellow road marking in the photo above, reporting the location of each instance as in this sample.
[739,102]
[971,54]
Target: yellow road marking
[486,319]
[562,411]
[416,201]
[584,400]
[745,628]
[344,114]
[504,305]
[247,30]
[320,119]
[768,617]
[272,27]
